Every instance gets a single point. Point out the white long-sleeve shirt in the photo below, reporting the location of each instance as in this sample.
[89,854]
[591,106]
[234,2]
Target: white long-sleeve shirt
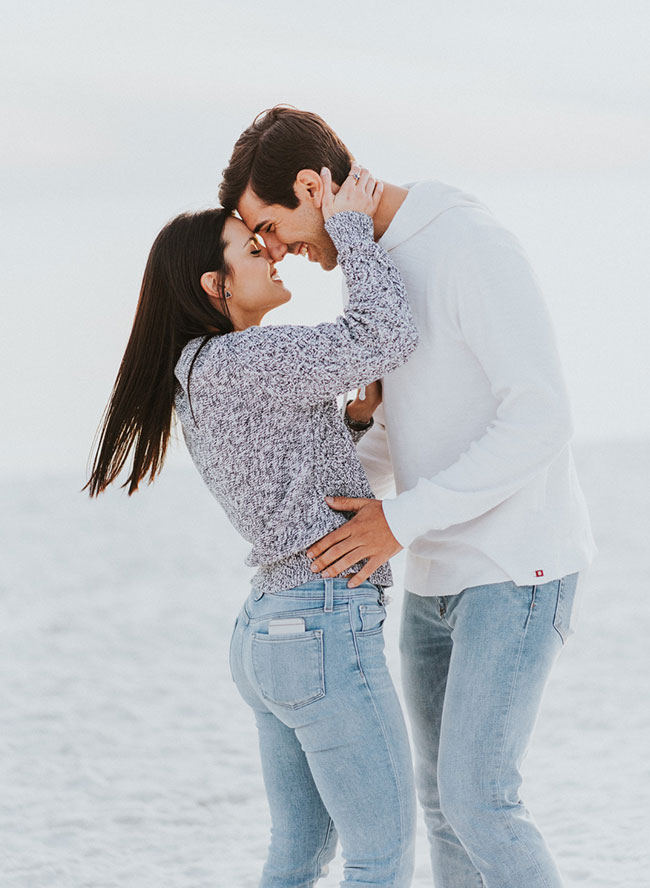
[477,423]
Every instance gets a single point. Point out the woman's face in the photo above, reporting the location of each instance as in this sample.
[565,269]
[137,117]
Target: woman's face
[253,282]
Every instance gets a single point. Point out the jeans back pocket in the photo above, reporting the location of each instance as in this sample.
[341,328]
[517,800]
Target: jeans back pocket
[289,668]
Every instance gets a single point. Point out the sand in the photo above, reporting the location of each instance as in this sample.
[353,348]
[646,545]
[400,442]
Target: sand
[128,758]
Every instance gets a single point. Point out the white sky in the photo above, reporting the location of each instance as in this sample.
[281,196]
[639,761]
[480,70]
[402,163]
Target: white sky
[117,116]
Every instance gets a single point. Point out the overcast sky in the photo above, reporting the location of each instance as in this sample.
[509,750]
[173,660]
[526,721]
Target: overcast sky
[116,116]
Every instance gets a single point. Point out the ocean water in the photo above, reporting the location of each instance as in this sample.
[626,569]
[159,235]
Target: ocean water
[128,759]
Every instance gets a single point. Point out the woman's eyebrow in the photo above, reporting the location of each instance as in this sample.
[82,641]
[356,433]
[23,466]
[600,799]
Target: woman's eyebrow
[251,239]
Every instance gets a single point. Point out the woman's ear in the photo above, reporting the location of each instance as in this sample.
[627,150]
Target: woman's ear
[309,187]
[211,284]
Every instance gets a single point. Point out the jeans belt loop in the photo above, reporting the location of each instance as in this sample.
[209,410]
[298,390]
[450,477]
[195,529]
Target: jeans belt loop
[257,595]
[382,596]
[329,595]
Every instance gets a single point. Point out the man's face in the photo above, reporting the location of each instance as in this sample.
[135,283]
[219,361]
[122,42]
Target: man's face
[300,231]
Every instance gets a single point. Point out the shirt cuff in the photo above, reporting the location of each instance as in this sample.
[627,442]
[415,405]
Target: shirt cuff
[404,517]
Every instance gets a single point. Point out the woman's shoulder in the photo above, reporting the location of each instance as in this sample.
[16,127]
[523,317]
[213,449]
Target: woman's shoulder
[239,347]
[198,354]
[205,349]
[216,355]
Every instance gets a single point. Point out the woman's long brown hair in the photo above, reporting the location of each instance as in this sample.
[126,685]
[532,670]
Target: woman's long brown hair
[172,309]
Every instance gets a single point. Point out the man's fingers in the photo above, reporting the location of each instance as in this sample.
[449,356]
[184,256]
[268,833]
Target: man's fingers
[346,503]
[325,542]
[351,557]
[367,569]
[330,555]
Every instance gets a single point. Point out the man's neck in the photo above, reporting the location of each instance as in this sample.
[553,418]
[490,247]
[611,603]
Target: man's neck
[391,200]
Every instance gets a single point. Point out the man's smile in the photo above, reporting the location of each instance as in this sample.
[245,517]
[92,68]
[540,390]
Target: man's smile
[306,250]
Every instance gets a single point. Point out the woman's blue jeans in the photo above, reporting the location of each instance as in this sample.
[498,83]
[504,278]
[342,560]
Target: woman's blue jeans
[333,741]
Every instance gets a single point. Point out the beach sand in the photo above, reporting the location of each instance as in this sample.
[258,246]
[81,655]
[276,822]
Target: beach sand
[128,759]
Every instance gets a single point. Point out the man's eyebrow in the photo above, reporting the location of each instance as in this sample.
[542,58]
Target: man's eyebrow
[261,225]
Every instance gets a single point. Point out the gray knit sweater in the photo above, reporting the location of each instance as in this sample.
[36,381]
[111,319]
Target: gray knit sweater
[264,429]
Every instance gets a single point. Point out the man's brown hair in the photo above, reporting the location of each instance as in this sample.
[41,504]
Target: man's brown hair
[279,143]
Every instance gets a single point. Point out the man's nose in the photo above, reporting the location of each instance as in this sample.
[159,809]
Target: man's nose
[277,249]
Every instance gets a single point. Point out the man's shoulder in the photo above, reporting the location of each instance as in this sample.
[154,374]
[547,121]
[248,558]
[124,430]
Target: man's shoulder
[464,228]
[445,218]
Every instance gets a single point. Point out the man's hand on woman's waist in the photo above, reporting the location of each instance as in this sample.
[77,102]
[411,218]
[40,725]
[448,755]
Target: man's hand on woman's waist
[366,536]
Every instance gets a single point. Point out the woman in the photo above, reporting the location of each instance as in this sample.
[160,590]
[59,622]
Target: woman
[260,419]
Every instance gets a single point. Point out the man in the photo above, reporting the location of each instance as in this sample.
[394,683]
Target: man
[477,425]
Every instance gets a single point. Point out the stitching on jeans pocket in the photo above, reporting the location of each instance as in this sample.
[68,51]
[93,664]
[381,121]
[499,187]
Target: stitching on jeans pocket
[559,617]
[372,618]
[289,668]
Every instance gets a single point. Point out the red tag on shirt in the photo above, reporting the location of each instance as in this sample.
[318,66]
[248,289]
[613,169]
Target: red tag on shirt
[539,573]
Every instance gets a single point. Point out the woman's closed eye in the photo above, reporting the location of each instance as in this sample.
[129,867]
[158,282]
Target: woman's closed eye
[255,247]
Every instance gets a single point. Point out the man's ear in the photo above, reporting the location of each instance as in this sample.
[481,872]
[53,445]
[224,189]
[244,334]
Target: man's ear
[309,188]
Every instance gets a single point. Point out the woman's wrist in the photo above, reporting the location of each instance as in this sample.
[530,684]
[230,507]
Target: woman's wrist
[348,228]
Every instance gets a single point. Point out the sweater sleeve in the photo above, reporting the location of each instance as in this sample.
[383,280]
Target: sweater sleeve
[375,334]
[503,320]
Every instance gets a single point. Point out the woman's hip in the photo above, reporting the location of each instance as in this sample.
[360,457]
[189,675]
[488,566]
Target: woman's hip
[316,643]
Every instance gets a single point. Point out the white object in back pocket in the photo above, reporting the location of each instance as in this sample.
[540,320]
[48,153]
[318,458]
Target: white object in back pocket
[288,626]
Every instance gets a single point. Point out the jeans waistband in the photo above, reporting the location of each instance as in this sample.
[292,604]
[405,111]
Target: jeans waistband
[324,590]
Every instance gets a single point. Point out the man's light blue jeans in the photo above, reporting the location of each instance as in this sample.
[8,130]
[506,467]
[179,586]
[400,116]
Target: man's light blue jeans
[333,741]
[474,670]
